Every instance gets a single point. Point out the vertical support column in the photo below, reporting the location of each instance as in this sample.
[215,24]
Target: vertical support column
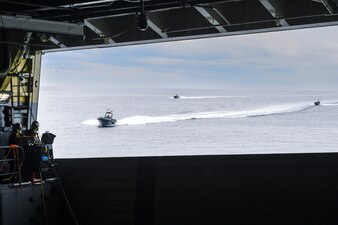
[35,87]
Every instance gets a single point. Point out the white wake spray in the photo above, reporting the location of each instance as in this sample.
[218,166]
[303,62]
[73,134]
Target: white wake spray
[265,111]
[93,122]
[203,97]
[330,104]
[270,110]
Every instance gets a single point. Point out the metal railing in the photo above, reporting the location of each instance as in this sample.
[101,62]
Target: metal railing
[13,157]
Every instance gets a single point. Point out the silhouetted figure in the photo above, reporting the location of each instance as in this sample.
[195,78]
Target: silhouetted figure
[34,153]
[34,131]
[13,140]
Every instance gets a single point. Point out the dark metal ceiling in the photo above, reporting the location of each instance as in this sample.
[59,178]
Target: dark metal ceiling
[66,24]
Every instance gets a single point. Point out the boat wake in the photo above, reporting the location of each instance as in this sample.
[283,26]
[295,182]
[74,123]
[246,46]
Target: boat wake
[330,104]
[271,110]
[265,111]
[203,97]
[93,122]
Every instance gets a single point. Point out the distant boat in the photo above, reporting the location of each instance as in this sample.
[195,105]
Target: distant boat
[317,102]
[176,96]
[107,120]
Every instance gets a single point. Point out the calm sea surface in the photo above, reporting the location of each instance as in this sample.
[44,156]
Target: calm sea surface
[200,122]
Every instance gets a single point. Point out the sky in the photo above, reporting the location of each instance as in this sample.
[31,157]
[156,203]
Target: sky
[304,59]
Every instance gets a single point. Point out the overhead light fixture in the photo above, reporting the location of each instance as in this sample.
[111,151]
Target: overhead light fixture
[142,18]
[142,22]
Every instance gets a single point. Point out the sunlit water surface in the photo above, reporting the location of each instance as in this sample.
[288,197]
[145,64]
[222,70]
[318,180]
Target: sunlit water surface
[198,123]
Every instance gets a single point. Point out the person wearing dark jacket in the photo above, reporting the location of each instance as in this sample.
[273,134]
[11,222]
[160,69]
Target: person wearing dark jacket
[14,137]
[13,141]
[34,131]
[33,153]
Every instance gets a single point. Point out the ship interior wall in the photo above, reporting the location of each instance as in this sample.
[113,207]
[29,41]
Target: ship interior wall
[38,204]
[221,189]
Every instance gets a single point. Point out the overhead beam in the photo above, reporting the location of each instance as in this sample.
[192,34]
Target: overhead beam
[221,15]
[42,26]
[210,18]
[155,28]
[192,37]
[274,9]
[96,30]
[327,6]
[57,42]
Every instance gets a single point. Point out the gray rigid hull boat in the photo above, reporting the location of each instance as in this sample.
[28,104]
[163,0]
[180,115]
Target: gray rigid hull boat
[317,103]
[107,120]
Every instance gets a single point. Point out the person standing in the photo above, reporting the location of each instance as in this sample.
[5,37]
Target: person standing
[34,131]
[34,153]
[11,153]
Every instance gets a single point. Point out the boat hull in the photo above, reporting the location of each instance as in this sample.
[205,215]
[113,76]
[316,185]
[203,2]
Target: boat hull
[105,122]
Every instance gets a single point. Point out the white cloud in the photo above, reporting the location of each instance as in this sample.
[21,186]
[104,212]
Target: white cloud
[307,58]
[162,61]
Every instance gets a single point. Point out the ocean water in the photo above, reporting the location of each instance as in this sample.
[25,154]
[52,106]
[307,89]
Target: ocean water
[201,122]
